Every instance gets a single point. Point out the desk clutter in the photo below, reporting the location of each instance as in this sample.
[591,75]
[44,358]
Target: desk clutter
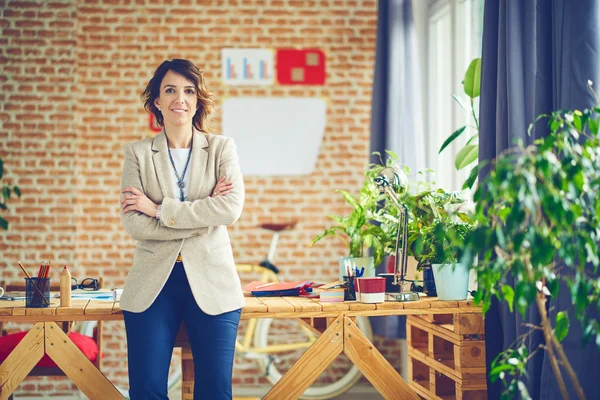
[352,288]
[39,291]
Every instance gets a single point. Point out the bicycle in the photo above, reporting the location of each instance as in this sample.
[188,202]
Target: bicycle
[277,344]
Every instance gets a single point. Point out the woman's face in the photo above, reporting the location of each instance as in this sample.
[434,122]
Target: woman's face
[177,100]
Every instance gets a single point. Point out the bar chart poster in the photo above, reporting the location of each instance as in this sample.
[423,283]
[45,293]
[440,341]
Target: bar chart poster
[247,66]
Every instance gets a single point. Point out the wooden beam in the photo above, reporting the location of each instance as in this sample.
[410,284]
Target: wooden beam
[311,364]
[21,360]
[77,366]
[373,365]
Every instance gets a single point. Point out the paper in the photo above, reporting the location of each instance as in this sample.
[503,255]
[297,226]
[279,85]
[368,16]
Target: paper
[247,66]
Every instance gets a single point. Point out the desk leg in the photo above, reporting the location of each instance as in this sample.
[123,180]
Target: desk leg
[373,365]
[308,367]
[21,360]
[77,366]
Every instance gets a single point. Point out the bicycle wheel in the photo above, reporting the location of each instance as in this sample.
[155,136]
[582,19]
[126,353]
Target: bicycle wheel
[339,376]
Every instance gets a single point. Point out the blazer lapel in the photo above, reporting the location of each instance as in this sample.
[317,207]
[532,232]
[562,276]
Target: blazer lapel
[162,164]
[198,163]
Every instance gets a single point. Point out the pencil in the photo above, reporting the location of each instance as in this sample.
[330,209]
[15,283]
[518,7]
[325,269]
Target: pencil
[34,285]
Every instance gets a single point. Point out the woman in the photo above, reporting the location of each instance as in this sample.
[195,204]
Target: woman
[180,190]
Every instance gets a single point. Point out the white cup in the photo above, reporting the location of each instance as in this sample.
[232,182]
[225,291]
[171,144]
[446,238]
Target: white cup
[1,292]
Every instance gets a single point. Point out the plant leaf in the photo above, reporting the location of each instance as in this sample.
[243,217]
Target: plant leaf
[3,223]
[466,156]
[452,137]
[472,79]
[459,101]
[17,191]
[562,325]
[472,178]
[509,296]
[1,168]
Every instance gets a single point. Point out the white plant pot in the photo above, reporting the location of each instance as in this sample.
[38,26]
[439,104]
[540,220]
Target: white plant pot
[451,281]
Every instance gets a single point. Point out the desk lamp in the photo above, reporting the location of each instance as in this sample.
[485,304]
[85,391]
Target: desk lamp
[388,181]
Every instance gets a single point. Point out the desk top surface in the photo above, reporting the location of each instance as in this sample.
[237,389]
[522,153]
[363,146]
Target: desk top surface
[264,307]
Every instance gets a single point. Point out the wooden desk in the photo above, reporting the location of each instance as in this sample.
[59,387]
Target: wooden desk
[341,335]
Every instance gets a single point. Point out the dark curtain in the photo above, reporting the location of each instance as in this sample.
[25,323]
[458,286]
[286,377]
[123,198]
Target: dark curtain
[396,115]
[538,56]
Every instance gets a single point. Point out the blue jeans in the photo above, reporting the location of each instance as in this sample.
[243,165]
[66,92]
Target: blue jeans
[151,338]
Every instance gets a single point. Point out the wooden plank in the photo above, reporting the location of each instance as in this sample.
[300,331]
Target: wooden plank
[435,303]
[50,310]
[447,367]
[77,308]
[99,307]
[433,328]
[469,324]
[373,365]
[421,304]
[389,305]
[304,304]
[277,304]
[7,307]
[358,306]
[470,357]
[21,360]
[253,304]
[342,306]
[77,366]
[310,365]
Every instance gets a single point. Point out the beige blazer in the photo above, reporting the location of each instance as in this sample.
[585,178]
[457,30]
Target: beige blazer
[196,228]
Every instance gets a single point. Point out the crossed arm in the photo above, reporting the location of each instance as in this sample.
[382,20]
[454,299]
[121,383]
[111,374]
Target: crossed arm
[223,207]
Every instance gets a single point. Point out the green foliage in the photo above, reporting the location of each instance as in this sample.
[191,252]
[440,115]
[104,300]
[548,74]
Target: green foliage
[470,152]
[438,221]
[538,224]
[357,228]
[7,191]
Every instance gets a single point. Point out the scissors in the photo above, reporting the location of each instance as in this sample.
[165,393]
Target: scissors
[359,273]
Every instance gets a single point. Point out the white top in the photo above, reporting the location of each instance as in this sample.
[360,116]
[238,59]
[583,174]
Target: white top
[180,156]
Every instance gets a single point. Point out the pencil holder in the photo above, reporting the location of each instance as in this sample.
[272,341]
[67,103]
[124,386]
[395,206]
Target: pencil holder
[37,292]
[349,291]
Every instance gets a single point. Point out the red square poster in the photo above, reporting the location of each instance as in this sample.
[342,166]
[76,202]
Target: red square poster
[300,67]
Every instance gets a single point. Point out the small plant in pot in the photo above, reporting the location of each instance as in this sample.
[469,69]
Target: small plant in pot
[439,224]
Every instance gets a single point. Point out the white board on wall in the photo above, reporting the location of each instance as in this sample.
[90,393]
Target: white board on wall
[275,135]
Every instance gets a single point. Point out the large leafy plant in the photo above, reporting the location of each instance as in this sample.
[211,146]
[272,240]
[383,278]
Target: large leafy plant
[470,151]
[538,226]
[7,190]
[357,228]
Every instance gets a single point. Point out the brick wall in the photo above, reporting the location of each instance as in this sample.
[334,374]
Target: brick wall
[71,75]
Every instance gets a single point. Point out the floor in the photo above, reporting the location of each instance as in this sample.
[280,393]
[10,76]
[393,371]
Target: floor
[357,392]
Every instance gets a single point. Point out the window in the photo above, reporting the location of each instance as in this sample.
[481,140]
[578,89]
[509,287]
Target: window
[454,33]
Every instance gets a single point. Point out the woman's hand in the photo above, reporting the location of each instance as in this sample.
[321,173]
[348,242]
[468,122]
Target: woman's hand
[222,188]
[136,200]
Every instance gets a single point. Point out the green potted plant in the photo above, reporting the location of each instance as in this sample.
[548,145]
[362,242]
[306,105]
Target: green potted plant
[437,221]
[7,190]
[357,230]
[539,227]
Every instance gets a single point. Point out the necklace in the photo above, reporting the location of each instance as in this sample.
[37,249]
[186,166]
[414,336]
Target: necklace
[180,183]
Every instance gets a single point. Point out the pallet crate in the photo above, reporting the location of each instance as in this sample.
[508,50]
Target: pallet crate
[446,356]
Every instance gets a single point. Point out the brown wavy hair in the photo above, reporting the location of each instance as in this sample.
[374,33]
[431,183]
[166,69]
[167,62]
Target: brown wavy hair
[193,74]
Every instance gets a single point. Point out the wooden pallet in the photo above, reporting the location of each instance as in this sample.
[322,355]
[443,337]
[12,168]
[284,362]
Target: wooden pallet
[446,356]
